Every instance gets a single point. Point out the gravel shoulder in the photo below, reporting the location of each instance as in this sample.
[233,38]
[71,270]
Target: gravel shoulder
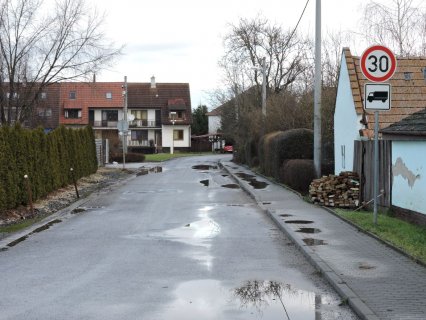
[63,197]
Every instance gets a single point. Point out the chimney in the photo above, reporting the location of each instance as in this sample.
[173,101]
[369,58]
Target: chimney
[94,77]
[153,82]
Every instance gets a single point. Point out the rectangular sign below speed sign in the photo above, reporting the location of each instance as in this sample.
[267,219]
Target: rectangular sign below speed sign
[377,97]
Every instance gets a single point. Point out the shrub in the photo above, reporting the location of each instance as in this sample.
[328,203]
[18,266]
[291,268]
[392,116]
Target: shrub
[46,159]
[297,174]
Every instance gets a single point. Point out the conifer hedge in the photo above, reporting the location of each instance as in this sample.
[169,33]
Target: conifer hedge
[45,158]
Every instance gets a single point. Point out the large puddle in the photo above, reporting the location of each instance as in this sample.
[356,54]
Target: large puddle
[204,167]
[269,300]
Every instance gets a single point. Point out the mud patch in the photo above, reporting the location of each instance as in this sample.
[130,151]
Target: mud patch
[299,221]
[17,241]
[308,230]
[231,186]
[314,242]
[3,249]
[204,167]
[205,182]
[365,266]
[78,210]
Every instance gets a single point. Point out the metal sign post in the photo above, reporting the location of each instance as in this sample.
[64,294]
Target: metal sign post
[378,64]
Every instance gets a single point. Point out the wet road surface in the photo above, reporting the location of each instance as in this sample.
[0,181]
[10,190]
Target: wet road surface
[177,243]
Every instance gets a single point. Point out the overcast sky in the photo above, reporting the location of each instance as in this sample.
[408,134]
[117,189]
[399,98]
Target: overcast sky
[181,40]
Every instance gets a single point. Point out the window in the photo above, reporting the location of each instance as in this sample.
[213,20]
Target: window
[73,113]
[14,95]
[108,95]
[178,135]
[109,115]
[45,113]
[43,95]
[139,135]
[72,95]
[140,114]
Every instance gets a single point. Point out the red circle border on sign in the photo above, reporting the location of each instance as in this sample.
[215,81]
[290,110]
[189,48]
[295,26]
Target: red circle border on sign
[363,64]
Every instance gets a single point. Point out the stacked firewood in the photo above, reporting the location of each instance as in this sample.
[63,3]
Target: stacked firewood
[340,191]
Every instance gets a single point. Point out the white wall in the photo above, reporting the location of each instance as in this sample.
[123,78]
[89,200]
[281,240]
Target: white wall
[214,124]
[151,115]
[346,122]
[168,136]
[409,175]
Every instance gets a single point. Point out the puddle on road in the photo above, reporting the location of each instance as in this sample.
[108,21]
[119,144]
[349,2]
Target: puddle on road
[144,171]
[39,229]
[314,242]
[266,203]
[251,179]
[204,167]
[266,300]
[299,221]
[284,215]
[231,186]
[309,230]
[366,266]
[205,182]
[224,175]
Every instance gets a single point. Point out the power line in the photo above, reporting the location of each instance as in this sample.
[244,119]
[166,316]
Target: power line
[295,28]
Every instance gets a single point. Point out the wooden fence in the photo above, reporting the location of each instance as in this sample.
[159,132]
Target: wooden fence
[364,166]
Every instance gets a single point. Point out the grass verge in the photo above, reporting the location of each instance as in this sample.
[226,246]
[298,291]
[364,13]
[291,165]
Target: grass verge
[158,157]
[20,225]
[406,236]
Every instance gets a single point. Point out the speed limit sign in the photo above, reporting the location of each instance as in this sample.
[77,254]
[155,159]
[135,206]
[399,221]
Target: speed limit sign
[378,63]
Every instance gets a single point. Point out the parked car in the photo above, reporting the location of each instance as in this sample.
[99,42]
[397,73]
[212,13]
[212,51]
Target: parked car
[229,149]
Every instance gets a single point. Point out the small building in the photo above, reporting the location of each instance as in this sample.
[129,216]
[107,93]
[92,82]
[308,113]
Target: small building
[408,138]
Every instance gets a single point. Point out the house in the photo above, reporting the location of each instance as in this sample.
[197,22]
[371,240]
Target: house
[408,138]
[99,104]
[352,123]
[214,119]
[160,113]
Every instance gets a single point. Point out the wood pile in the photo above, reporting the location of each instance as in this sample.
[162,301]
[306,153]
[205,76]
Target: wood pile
[340,191]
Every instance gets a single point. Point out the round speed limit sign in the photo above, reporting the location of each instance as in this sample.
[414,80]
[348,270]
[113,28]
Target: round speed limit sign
[378,63]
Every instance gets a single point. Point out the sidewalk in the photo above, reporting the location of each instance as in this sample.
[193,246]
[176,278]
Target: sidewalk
[377,281]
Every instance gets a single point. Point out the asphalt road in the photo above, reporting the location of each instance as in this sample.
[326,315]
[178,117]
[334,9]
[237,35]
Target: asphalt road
[183,243]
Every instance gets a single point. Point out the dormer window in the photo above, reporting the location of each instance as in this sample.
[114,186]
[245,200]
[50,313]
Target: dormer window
[108,95]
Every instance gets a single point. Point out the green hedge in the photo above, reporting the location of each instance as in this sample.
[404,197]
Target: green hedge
[276,147]
[45,158]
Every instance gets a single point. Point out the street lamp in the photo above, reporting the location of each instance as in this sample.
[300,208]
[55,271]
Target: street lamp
[173,120]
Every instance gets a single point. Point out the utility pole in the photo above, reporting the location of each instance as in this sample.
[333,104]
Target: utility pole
[317,94]
[264,87]
[125,114]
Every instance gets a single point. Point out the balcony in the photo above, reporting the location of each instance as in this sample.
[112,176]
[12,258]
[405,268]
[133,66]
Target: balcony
[144,124]
[104,124]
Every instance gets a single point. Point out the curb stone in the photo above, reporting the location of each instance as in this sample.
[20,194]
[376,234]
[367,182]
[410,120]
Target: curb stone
[346,293]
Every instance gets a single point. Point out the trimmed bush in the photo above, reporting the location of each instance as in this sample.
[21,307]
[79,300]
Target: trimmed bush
[297,174]
[46,159]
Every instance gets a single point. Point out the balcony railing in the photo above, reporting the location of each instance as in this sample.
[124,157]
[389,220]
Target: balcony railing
[144,124]
[138,143]
[105,124]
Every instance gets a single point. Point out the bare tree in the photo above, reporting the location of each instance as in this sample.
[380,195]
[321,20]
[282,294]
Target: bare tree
[251,40]
[42,45]
[399,25]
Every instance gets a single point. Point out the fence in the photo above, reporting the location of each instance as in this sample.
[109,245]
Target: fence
[364,166]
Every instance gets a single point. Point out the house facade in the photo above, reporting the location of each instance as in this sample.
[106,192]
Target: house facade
[408,138]
[159,114]
[352,123]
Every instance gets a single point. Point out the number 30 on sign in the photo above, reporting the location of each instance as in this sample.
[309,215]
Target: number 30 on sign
[378,63]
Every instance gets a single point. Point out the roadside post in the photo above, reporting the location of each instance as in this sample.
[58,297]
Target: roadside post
[75,182]
[378,64]
[30,193]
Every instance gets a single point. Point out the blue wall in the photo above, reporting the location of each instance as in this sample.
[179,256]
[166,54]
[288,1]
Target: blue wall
[409,175]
